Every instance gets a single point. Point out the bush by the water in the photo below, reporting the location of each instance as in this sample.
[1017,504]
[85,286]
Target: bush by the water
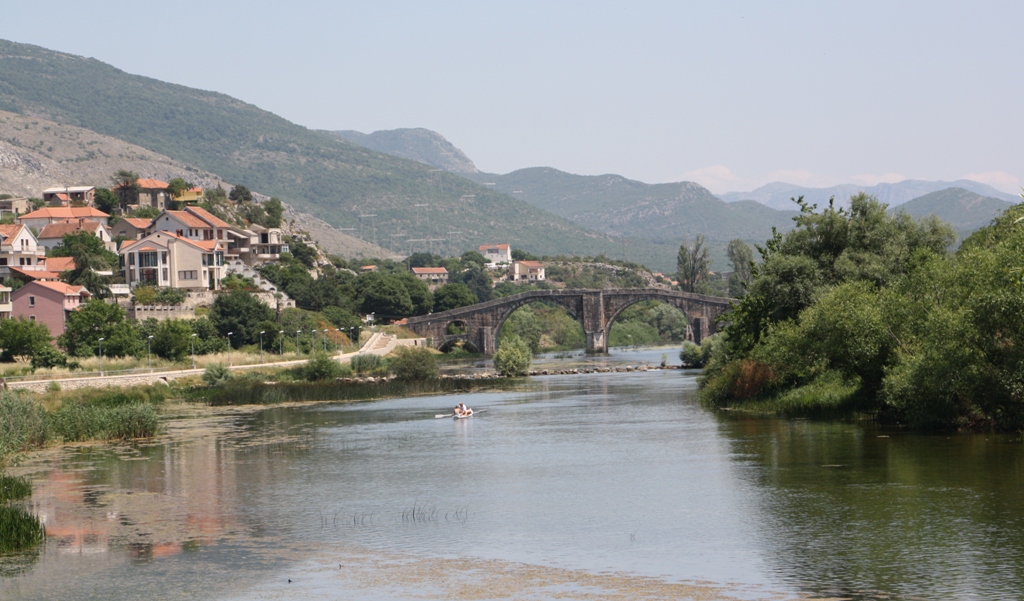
[216,374]
[697,355]
[78,422]
[321,366]
[413,363]
[513,357]
[22,424]
[367,364]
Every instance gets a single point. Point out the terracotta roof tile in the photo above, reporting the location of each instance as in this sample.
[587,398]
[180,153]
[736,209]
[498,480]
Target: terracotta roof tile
[63,213]
[68,226]
[36,274]
[187,218]
[67,289]
[208,217]
[429,270]
[139,222]
[59,264]
[10,230]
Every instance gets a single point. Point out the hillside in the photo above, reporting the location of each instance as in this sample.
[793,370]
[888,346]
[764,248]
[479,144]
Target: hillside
[966,211]
[778,194]
[417,144]
[36,154]
[620,206]
[316,172]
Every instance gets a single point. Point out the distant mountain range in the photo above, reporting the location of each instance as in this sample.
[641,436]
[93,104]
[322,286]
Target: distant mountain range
[415,144]
[778,195]
[966,211]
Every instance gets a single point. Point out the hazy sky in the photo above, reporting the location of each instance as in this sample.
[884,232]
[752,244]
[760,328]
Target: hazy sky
[732,95]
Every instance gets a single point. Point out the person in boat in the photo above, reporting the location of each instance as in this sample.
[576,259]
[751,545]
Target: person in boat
[461,409]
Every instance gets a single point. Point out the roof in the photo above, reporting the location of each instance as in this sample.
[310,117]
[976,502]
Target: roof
[368,268]
[536,264]
[66,289]
[68,189]
[429,270]
[139,222]
[59,264]
[10,230]
[208,217]
[150,184]
[207,245]
[187,218]
[63,213]
[36,274]
[498,246]
[68,226]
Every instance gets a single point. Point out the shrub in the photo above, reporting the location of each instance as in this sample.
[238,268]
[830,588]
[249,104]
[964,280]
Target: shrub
[46,357]
[22,424]
[77,422]
[216,374]
[362,364]
[12,489]
[691,354]
[53,387]
[321,366]
[513,357]
[413,363]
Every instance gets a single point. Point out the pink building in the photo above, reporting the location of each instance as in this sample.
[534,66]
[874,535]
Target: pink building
[48,303]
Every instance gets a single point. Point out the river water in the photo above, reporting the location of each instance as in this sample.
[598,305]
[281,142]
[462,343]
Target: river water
[605,486]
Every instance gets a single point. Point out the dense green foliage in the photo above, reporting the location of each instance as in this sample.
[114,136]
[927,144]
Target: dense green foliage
[512,357]
[241,314]
[21,337]
[872,303]
[367,364]
[413,363]
[452,296]
[97,319]
[321,366]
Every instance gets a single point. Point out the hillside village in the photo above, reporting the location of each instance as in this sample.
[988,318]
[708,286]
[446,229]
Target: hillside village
[222,269]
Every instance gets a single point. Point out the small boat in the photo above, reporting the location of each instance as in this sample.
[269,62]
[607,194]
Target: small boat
[464,415]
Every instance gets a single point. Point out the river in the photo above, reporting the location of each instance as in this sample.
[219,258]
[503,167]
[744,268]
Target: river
[603,486]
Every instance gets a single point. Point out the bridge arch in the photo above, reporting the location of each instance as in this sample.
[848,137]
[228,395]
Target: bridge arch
[613,316]
[572,306]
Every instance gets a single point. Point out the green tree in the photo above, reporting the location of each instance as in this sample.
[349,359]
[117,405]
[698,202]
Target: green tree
[172,339]
[414,363]
[452,296]
[240,193]
[742,258]
[321,366]
[472,257]
[384,296]
[241,314]
[479,281]
[127,185]
[275,212]
[177,186]
[98,319]
[524,325]
[106,201]
[513,357]
[208,339]
[419,293]
[21,337]
[693,265]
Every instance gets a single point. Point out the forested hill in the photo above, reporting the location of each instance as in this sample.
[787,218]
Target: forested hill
[620,206]
[315,171]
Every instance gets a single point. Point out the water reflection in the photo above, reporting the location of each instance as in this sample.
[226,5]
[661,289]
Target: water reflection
[561,482]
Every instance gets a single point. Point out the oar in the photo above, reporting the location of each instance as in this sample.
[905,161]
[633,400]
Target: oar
[445,415]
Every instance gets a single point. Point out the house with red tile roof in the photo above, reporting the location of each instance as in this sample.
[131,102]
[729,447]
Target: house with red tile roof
[166,259]
[48,303]
[66,196]
[433,276]
[40,218]
[53,234]
[130,228]
[252,245]
[19,248]
[151,193]
[496,254]
[526,271]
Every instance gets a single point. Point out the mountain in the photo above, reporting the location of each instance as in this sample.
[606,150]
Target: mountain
[399,203]
[778,194]
[966,211]
[416,144]
[36,154]
[654,213]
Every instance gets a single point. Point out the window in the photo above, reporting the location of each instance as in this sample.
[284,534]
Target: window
[220,258]
[31,301]
[31,317]
[188,275]
[147,259]
[131,258]
[3,261]
[220,234]
[163,258]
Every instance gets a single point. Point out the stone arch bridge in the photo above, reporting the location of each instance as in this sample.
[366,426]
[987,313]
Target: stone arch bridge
[594,309]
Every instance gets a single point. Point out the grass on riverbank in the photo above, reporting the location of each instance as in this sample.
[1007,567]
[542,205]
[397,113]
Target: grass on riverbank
[828,397]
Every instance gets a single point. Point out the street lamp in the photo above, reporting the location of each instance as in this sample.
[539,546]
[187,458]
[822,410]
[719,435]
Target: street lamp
[230,357]
[149,351]
[262,332]
[193,339]
[281,333]
[100,342]
[298,351]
